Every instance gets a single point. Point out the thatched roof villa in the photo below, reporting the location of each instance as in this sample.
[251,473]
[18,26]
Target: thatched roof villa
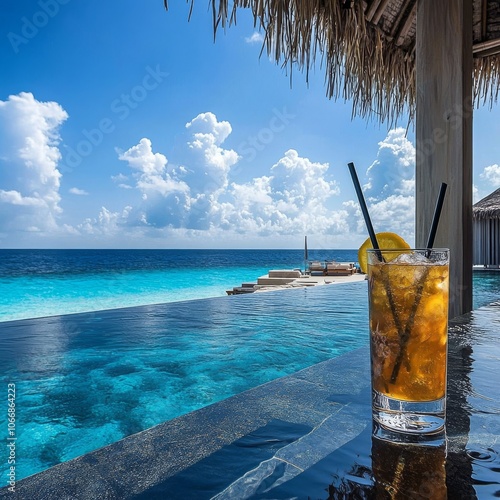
[486,215]
[435,60]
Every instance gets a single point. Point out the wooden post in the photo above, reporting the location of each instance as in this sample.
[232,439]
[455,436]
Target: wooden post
[444,136]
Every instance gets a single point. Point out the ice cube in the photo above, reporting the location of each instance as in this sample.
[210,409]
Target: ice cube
[413,258]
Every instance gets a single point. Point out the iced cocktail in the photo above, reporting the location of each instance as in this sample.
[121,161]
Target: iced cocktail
[408,297]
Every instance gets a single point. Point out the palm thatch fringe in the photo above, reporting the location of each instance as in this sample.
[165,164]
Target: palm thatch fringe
[487,79]
[488,207]
[361,62]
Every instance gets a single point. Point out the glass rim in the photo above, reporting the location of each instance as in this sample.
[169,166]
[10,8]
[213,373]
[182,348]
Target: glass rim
[401,250]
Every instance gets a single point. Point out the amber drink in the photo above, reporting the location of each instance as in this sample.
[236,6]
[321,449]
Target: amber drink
[408,297]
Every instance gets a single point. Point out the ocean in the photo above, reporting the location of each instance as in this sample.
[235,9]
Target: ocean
[38,283]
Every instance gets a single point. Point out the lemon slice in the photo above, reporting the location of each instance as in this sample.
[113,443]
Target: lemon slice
[385,241]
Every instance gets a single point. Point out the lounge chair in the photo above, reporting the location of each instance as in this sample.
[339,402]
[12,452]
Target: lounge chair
[316,267]
[338,269]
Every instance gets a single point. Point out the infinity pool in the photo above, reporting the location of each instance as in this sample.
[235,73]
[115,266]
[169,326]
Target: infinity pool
[86,380]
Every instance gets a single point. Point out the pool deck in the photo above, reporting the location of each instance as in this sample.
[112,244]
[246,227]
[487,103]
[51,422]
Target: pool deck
[308,280]
[305,280]
[304,435]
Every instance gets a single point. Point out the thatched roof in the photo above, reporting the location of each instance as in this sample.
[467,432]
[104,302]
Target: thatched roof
[488,208]
[366,47]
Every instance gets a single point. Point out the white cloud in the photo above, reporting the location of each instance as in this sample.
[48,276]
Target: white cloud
[165,198]
[209,163]
[78,192]
[107,223]
[292,200]
[255,37]
[491,174]
[391,186]
[16,198]
[393,172]
[182,196]
[197,195]
[29,139]
[120,180]
[396,213]
[475,194]
[152,173]
[196,200]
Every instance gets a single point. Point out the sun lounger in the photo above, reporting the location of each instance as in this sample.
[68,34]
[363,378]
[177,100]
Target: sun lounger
[316,267]
[337,269]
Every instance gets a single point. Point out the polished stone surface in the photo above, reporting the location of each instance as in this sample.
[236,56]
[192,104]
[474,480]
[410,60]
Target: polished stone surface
[308,435]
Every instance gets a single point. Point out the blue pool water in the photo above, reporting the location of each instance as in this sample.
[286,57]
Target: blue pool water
[86,380]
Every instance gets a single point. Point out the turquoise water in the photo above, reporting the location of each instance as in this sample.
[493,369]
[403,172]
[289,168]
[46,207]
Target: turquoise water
[86,380]
[486,287]
[37,283]
[39,296]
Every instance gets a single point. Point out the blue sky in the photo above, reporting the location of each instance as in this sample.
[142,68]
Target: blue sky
[126,126]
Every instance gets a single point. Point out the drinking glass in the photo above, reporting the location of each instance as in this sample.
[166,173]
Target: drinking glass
[408,305]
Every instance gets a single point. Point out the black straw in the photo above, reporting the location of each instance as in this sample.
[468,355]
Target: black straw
[435,218]
[364,209]
[420,288]
[373,238]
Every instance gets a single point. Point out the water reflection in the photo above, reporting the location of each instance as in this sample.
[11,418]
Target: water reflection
[408,471]
[486,469]
[459,410]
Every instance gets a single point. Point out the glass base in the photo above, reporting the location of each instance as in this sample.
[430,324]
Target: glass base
[409,417]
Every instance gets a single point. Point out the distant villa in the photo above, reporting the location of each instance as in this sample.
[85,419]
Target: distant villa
[486,231]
